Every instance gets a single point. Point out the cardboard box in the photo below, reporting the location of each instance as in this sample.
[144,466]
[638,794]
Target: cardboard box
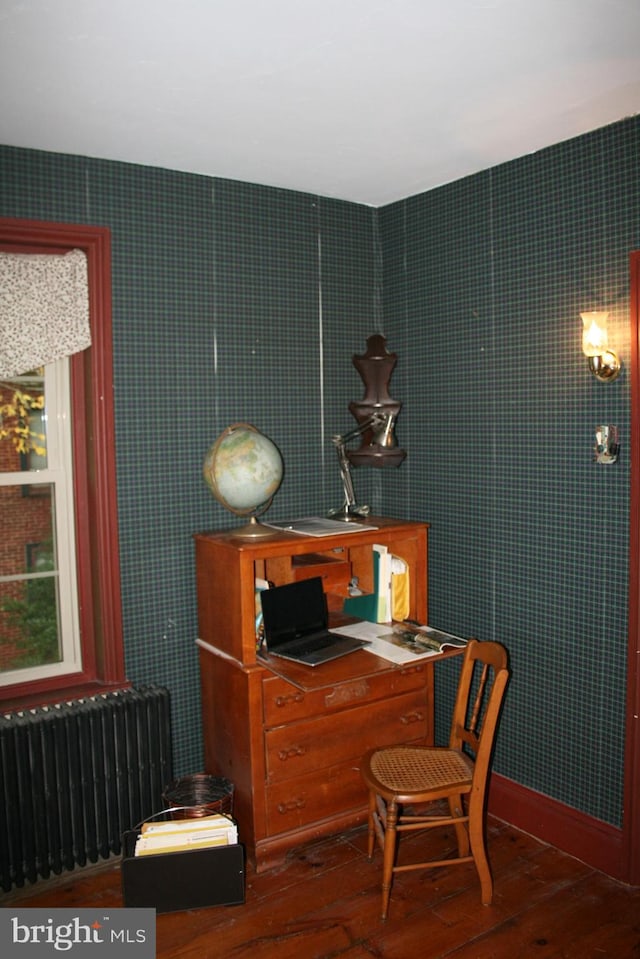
[171,882]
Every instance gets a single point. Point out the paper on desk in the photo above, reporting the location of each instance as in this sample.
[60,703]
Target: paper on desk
[382,642]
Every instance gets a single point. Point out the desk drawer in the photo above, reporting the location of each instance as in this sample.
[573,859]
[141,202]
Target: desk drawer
[330,740]
[284,702]
[314,797]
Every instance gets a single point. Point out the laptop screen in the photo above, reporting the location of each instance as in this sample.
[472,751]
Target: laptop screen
[293,610]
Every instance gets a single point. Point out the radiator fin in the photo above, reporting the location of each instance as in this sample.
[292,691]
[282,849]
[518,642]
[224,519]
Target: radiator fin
[76,776]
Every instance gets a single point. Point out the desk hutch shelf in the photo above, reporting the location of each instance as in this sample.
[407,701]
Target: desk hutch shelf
[290,737]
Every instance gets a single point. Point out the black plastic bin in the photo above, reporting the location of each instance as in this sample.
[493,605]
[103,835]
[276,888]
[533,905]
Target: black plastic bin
[182,880]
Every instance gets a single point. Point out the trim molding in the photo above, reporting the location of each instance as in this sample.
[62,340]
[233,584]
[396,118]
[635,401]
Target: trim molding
[97,542]
[632,740]
[592,841]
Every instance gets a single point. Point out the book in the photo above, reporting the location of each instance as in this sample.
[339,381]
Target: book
[423,639]
[383,588]
[402,643]
[400,589]
[319,526]
[260,585]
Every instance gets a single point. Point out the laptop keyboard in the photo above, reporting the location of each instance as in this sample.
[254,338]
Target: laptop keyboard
[310,646]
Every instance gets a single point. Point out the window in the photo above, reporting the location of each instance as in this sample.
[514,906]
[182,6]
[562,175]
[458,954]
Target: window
[39,636]
[60,605]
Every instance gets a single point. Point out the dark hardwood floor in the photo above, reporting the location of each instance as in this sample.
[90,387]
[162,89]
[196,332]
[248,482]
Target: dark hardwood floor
[324,902]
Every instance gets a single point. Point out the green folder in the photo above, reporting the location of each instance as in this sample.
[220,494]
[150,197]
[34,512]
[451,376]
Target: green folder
[368,606]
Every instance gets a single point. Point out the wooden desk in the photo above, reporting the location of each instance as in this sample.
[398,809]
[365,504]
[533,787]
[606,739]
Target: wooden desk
[290,736]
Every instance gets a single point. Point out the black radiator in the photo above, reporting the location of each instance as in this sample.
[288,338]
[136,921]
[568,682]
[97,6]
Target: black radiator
[76,776]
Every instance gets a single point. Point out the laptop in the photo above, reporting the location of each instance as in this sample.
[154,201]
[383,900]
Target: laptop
[295,624]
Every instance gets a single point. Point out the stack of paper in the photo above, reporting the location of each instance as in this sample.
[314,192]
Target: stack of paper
[185,835]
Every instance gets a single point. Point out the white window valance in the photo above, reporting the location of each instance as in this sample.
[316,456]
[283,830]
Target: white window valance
[44,309]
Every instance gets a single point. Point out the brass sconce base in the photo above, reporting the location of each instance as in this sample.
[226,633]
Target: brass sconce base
[605,368]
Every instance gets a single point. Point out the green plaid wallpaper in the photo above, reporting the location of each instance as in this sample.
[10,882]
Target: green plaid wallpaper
[234,301]
[484,283]
[231,302]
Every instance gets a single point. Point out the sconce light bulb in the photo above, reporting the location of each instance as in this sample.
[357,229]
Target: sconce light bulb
[603,362]
[594,333]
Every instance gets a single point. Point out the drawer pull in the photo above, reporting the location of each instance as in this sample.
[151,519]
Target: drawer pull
[291,806]
[411,670]
[291,753]
[291,698]
[410,718]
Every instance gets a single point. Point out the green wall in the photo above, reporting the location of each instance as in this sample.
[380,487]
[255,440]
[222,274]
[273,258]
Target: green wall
[484,282]
[240,302]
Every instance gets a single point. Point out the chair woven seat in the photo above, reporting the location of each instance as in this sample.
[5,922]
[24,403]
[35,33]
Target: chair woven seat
[409,784]
[416,768]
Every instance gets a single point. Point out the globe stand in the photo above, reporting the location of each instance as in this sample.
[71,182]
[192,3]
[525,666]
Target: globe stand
[253,530]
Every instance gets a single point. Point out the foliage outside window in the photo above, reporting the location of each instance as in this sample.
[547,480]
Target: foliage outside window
[17,407]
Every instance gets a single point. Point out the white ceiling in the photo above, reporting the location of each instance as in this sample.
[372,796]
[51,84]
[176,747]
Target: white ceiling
[363,100]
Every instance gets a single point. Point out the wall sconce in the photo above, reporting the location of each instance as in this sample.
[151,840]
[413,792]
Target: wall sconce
[603,362]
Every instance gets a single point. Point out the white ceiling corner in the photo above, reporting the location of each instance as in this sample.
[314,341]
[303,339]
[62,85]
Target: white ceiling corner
[368,101]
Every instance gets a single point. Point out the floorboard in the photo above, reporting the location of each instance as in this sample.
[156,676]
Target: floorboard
[324,902]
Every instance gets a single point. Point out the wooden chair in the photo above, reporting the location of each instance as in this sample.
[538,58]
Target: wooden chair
[401,778]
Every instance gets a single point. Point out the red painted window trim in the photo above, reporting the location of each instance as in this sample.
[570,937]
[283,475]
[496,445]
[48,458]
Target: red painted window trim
[98,558]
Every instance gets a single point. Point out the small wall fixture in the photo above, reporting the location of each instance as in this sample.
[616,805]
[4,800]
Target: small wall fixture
[607,446]
[603,362]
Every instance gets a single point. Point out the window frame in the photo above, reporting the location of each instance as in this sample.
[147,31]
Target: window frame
[94,473]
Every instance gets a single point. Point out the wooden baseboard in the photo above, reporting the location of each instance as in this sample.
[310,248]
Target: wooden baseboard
[590,840]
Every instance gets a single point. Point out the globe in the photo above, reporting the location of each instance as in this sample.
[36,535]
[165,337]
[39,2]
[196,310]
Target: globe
[243,470]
